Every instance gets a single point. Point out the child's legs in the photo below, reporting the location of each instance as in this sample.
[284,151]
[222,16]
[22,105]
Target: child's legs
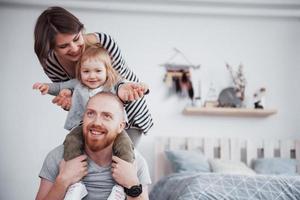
[73,144]
[123,147]
[135,135]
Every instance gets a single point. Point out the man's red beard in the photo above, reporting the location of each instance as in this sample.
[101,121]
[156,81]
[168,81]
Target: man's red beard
[98,138]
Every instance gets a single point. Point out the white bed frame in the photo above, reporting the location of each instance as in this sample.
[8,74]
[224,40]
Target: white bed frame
[224,148]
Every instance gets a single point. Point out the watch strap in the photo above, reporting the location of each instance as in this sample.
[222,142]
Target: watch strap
[134,191]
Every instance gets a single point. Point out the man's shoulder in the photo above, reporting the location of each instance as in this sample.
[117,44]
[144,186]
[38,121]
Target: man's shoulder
[138,154]
[50,167]
[142,168]
[140,160]
[56,153]
[59,148]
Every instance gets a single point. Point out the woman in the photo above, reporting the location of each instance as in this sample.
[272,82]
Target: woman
[59,43]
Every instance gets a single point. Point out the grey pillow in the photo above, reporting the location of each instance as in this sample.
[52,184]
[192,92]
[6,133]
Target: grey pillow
[282,166]
[187,161]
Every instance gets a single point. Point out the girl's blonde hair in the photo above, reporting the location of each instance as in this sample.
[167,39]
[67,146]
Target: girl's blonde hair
[100,54]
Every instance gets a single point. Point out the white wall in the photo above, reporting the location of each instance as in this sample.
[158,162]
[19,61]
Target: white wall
[267,46]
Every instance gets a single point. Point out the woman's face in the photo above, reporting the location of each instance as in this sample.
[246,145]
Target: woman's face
[69,46]
[93,73]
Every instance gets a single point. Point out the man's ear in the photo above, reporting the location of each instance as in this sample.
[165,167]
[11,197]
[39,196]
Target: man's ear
[121,126]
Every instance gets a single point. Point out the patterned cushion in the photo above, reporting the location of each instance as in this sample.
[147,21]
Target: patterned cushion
[187,161]
[282,166]
[230,167]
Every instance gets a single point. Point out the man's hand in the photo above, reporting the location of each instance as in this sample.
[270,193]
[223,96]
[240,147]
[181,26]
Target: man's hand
[74,170]
[132,91]
[124,173]
[63,99]
[42,87]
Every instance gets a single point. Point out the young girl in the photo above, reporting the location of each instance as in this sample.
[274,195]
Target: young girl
[94,74]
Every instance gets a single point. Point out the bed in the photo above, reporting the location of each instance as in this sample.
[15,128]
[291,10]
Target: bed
[201,183]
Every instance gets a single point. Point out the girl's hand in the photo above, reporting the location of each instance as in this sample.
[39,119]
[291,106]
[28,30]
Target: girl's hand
[42,87]
[63,99]
[74,170]
[132,91]
[124,173]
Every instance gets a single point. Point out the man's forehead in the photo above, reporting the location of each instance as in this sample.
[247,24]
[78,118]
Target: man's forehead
[103,103]
[102,98]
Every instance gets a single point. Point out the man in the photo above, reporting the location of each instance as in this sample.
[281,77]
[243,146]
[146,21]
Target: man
[103,120]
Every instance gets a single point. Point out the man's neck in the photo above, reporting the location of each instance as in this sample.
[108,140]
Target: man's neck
[102,157]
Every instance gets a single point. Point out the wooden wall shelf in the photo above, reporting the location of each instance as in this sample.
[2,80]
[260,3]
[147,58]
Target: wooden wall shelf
[239,112]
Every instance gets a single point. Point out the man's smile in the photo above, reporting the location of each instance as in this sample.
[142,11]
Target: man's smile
[97,132]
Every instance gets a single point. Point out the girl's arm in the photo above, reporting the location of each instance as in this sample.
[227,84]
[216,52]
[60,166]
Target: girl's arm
[131,91]
[55,88]
[62,91]
[42,87]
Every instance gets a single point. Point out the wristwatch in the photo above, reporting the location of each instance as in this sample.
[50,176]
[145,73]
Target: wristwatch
[134,191]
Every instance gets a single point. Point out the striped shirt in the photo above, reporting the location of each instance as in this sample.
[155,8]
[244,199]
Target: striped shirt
[137,111]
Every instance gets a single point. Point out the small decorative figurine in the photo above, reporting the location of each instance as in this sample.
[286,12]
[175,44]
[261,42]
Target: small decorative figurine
[259,98]
[228,98]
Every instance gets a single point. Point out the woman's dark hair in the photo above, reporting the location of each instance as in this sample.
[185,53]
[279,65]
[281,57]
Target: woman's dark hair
[52,21]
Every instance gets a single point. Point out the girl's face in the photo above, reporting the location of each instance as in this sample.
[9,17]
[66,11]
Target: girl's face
[69,46]
[93,73]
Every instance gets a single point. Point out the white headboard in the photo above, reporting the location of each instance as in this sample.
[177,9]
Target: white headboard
[224,148]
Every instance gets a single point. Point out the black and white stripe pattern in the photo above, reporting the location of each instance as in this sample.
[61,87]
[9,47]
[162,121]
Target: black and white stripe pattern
[137,111]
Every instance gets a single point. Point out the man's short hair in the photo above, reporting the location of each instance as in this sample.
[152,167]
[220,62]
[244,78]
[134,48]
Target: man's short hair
[116,98]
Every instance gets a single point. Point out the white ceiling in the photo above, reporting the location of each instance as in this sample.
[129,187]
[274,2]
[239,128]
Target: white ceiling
[255,8]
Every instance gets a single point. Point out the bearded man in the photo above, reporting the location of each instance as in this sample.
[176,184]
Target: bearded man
[98,169]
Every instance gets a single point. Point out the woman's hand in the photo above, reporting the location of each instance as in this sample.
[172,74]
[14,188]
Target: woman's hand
[124,173]
[63,99]
[74,170]
[42,87]
[132,91]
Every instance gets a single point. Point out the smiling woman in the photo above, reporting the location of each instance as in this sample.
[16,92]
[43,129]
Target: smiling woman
[68,50]
[58,31]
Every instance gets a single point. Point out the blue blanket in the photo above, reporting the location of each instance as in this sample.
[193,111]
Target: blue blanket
[212,186]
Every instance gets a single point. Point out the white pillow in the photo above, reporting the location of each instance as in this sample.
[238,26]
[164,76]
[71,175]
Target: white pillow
[230,167]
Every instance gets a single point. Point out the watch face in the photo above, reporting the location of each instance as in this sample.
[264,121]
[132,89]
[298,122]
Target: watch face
[134,191]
